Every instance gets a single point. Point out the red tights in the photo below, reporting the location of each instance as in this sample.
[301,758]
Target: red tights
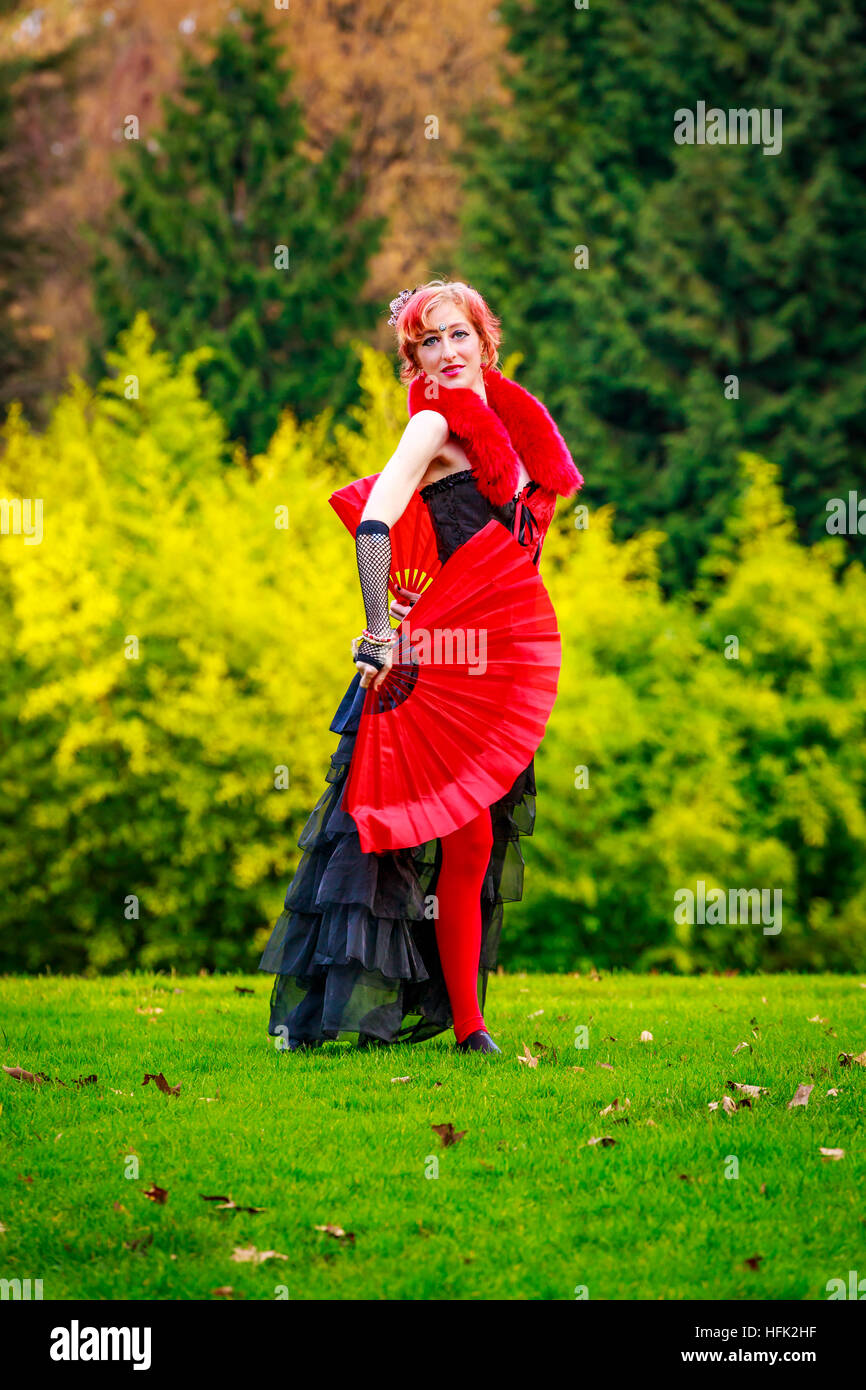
[465,855]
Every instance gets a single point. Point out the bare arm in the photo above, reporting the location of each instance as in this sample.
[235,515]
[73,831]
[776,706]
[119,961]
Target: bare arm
[392,491]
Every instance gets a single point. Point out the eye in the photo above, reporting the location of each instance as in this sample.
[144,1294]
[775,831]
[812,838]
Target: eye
[461,333]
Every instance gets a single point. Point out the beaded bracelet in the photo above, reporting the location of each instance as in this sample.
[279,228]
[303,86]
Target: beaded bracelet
[382,644]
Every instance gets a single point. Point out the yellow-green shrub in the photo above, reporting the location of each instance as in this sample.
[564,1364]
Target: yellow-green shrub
[154,774]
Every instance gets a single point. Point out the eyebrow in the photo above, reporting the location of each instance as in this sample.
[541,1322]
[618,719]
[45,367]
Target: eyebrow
[458,324]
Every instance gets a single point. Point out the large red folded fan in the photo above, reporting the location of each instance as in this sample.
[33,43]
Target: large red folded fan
[414,559]
[465,704]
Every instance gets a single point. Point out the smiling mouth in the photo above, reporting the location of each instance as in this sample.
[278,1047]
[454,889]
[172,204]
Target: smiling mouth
[453,369]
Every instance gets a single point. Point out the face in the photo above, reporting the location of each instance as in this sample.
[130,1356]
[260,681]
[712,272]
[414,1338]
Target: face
[451,357]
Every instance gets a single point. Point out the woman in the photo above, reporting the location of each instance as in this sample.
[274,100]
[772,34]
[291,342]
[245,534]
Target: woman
[387,947]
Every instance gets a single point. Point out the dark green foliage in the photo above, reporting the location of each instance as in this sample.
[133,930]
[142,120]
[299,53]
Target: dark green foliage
[705,260]
[204,207]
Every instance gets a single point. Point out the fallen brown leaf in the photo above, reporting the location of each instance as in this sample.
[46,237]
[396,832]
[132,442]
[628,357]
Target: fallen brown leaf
[227,1204]
[615,1106]
[248,1254]
[156,1194]
[337,1232]
[19,1074]
[162,1084]
[801,1096]
[448,1135]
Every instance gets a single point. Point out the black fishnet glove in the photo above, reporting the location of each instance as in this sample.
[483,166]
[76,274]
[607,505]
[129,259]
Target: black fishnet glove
[373,549]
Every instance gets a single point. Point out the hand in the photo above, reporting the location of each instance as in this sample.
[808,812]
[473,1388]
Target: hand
[369,674]
[399,610]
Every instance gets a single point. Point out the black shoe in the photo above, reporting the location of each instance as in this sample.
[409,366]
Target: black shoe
[301,1045]
[479,1041]
[368,1040]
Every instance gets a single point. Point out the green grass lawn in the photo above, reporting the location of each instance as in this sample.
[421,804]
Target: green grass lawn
[522,1207]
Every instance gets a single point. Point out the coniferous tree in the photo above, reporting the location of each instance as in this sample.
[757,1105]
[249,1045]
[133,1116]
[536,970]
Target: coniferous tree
[25,255]
[233,239]
[17,351]
[706,262]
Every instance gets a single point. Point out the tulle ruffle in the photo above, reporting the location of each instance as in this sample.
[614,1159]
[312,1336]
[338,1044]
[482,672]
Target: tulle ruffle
[354,949]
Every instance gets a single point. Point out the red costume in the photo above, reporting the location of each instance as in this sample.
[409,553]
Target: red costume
[440,754]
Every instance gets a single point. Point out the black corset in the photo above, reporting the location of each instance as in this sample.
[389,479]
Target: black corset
[457,510]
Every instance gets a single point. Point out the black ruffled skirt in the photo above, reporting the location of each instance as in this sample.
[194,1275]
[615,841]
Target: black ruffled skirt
[354,949]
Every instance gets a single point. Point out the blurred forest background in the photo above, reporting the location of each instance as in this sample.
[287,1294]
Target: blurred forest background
[183,394]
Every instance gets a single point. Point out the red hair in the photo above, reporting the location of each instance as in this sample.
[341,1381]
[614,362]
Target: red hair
[411,327]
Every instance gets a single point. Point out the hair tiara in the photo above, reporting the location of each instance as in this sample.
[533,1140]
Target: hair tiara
[397,304]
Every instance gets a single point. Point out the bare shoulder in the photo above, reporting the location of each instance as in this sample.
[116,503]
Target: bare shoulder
[428,427]
[422,439]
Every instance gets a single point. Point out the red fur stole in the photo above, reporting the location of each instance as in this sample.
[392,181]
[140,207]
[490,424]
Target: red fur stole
[513,425]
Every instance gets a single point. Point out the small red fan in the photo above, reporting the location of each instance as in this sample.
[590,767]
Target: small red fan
[414,560]
[465,704]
